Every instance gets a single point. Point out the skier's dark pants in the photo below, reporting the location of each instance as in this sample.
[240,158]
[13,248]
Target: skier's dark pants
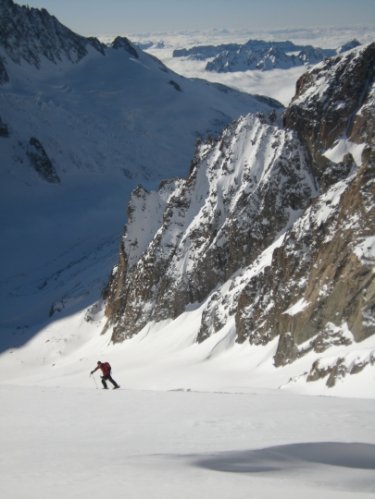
[108,377]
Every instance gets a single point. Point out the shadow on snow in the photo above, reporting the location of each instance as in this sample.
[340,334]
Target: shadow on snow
[279,458]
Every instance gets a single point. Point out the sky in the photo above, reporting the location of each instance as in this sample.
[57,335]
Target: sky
[121,17]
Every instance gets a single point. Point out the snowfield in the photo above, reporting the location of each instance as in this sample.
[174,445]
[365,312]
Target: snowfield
[82,443]
[190,421]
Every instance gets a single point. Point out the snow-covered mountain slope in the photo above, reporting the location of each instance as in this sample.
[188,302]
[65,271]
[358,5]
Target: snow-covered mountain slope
[272,234]
[81,124]
[259,54]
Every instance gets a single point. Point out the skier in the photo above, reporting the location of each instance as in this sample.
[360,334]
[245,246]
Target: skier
[106,370]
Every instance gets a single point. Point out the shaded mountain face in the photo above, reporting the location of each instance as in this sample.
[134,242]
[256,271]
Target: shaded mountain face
[29,35]
[81,124]
[116,101]
[273,230]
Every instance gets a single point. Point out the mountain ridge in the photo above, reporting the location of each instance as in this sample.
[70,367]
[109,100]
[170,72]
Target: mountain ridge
[23,35]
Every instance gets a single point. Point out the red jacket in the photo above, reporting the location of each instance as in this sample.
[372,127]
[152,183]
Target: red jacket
[105,368]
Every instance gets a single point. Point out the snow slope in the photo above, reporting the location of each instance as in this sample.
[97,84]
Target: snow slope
[106,121]
[181,426]
[165,356]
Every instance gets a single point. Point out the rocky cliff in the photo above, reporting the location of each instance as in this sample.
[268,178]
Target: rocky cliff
[274,228]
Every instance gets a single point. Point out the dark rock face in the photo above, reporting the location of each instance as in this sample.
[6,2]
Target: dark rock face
[316,268]
[175,85]
[273,230]
[4,78]
[4,131]
[287,350]
[336,371]
[122,42]
[41,162]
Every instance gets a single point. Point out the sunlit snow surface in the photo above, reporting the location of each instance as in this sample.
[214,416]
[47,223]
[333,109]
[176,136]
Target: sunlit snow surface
[183,424]
[81,443]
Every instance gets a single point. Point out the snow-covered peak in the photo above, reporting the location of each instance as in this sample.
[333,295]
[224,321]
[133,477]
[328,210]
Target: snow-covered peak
[121,42]
[348,46]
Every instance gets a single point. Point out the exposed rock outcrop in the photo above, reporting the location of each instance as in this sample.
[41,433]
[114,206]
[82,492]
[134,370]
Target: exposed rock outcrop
[320,273]
[4,130]
[41,162]
[121,42]
[4,78]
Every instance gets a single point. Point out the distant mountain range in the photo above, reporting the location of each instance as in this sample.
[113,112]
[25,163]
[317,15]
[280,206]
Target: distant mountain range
[259,54]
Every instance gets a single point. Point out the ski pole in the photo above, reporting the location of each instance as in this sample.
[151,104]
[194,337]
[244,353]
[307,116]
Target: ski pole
[93,377]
